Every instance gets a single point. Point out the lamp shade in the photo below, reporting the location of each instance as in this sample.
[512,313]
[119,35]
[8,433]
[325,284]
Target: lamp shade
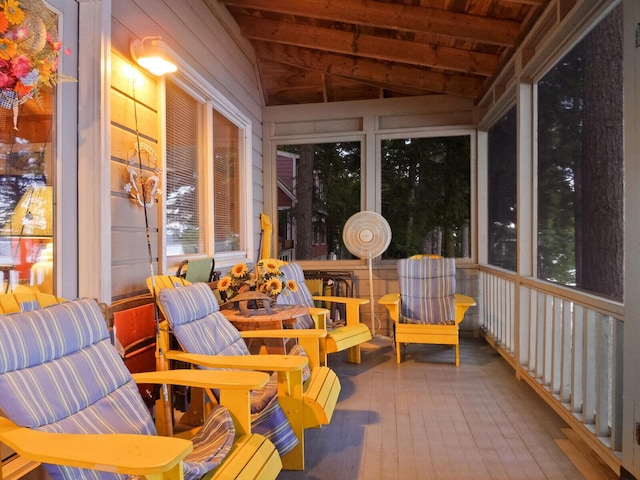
[153,54]
[33,215]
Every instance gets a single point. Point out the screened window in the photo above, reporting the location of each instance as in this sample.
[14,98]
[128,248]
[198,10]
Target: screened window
[502,201]
[318,190]
[426,195]
[183,172]
[580,164]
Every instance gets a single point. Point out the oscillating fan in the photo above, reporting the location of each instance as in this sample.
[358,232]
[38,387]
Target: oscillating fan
[367,235]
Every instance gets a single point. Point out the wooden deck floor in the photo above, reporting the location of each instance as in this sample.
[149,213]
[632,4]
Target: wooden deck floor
[427,419]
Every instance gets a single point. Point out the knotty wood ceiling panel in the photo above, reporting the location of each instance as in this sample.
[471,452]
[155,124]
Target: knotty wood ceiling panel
[333,50]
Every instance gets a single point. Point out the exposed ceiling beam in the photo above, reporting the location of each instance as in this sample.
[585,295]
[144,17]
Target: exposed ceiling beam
[399,78]
[396,17]
[379,48]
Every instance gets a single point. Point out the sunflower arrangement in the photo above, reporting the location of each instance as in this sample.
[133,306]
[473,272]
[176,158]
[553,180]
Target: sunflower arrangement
[29,51]
[266,278]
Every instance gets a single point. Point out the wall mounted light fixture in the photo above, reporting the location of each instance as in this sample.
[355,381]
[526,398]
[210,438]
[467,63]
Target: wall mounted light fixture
[153,54]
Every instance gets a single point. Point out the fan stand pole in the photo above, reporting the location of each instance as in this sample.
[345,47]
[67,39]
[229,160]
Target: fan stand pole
[373,317]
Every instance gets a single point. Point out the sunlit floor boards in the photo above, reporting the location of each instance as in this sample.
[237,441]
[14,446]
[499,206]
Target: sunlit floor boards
[427,419]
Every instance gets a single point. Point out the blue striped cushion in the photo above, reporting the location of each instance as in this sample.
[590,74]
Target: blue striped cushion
[272,423]
[427,287]
[60,373]
[29,305]
[302,296]
[194,316]
[211,444]
[293,271]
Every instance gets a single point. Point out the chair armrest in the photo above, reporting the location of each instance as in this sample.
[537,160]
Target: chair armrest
[464,300]
[392,302]
[118,453]
[234,387]
[352,306]
[266,363]
[320,316]
[345,300]
[462,303]
[285,333]
[205,379]
[288,367]
[308,339]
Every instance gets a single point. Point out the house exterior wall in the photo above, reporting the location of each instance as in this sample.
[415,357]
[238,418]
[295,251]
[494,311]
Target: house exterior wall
[201,40]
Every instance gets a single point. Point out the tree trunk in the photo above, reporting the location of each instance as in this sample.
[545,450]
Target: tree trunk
[601,262]
[304,207]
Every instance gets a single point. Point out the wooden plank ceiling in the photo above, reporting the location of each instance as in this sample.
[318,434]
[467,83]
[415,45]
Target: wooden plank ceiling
[311,51]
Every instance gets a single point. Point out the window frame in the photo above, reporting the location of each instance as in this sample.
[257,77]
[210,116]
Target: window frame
[211,99]
[473,159]
[501,114]
[535,72]
[271,189]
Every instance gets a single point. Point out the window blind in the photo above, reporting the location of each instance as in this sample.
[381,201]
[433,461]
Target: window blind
[184,232]
[226,150]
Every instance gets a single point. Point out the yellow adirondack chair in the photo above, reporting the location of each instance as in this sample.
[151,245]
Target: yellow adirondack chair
[307,403]
[348,337]
[22,300]
[72,339]
[427,310]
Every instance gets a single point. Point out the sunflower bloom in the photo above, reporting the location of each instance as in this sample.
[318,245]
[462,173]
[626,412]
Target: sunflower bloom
[239,270]
[7,49]
[13,12]
[292,285]
[274,287]
[272,268]
[224,283]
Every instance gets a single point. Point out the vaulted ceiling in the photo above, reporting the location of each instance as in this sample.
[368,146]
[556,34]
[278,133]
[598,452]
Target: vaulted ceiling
[312,51]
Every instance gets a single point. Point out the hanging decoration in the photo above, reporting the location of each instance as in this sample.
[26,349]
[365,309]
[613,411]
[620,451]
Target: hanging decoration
[143,189]
[29,52]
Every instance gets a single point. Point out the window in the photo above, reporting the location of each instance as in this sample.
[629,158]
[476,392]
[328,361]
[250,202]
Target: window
[502,202]
[426,195]
[580,164]
[183,189]
[204,198]
[27,181]
[318,190]
[226,185]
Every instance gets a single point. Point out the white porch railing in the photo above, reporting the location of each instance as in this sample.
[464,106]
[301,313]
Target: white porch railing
[286,255]
[567,345]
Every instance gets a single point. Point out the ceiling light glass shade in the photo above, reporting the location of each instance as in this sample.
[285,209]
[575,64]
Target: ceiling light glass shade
[152,54]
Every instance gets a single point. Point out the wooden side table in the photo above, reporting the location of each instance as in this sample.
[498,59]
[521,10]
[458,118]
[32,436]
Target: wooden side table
[281,316]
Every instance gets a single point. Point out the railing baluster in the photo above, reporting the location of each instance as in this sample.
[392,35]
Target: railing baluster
[556,357]
[577,359]
[603,375]
[567,343]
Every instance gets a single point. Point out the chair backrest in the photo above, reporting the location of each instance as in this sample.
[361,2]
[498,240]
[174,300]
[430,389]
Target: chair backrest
[60,373]
[198,270]
[25,301]
[194,316]
[302,296]
[427,288]
[265,236]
